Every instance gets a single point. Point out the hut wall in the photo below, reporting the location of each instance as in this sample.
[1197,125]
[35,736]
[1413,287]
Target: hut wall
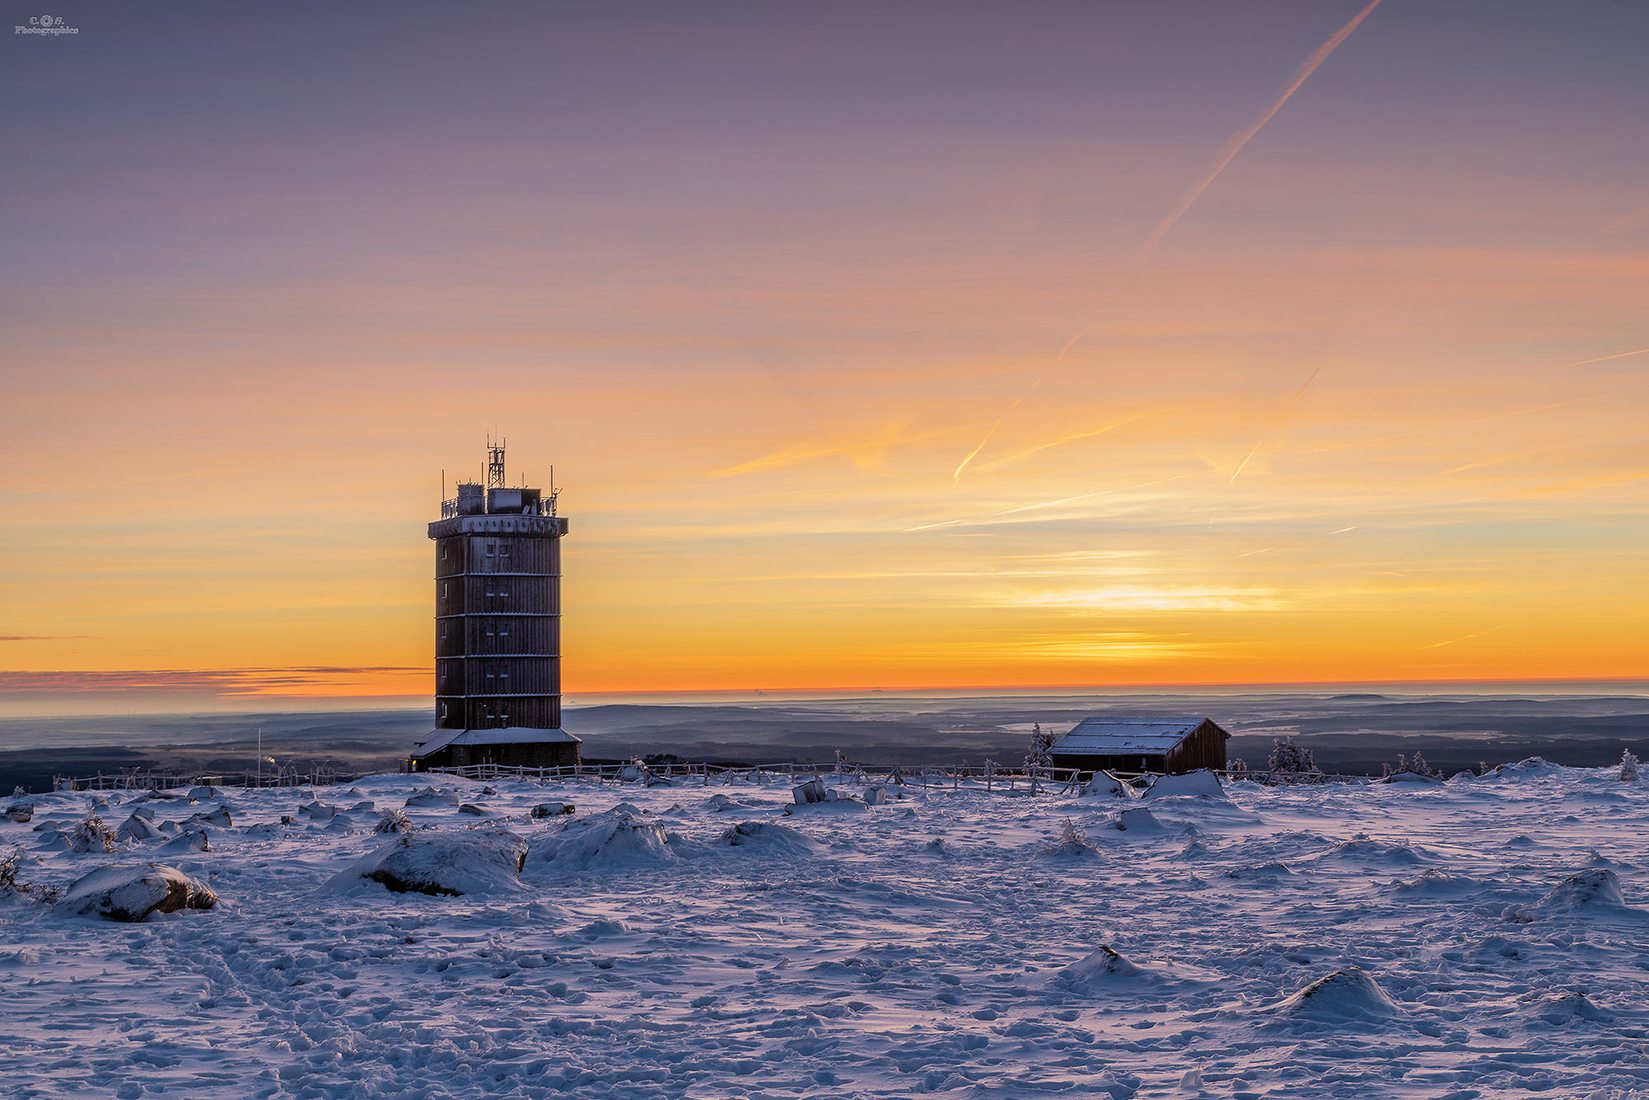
[1204,747]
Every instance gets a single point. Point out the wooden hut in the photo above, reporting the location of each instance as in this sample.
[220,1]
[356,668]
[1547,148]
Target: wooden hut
[1145,744]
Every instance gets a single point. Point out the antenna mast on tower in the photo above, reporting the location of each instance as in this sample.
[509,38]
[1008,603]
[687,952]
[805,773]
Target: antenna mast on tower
[495,463]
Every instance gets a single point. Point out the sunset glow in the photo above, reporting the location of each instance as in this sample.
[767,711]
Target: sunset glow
[843,345]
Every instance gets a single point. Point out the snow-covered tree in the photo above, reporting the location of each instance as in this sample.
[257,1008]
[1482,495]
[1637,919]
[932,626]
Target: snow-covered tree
[1629,767]
[1041,742]
[1291,758]
[1237,769]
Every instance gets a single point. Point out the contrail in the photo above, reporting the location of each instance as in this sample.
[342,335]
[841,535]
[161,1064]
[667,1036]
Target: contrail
[973,454]
[1236,144]
[1280,422]
[1223,161]
[1605,358]
[1465,637]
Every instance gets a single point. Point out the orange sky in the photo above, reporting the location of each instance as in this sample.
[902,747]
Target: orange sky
[798,361]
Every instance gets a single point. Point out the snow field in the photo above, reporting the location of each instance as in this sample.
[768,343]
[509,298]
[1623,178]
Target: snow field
[1477,938]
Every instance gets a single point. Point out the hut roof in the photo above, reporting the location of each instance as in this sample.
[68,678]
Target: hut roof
[1108,735]
[508,735]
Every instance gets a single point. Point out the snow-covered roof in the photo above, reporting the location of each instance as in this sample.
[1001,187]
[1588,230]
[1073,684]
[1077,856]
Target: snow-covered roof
[1108,735]
[506,735]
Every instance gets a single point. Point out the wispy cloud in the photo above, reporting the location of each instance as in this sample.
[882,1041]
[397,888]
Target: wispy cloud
[866,453]
[222,682]
[1123,598]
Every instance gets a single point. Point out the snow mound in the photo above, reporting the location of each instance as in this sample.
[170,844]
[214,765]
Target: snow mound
[1597,888]
[1432,883]
[1413,777]
[720,803]
[1347,994]
[1139,821]
[132,893]
[429,796]
[1106,785]
[1530,767]
[842,804]
[1107,968]
[1566,1008]
[768,838]
[1100,967]
[1198,784]
[1363,851]
[471,861]
[620,838]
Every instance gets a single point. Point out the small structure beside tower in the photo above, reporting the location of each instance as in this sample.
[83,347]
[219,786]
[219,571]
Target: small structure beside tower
[497,628]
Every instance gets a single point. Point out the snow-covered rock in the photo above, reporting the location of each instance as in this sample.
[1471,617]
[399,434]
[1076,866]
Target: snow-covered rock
[768,838]
[132,893]
[1201,783]
[1138,821]
[431,797]
[136,828]
[191,840]
[1106,785]
[469,861]
[615,840]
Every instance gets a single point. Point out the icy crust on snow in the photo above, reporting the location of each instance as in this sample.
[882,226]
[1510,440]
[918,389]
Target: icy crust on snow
[1481,938]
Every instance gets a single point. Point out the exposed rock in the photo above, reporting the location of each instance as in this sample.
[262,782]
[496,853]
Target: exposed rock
[557,809]
[132,893]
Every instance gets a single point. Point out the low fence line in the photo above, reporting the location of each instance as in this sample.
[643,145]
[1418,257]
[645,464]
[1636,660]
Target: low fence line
[1032,781]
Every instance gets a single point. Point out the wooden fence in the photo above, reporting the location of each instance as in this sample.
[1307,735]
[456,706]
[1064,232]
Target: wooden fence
[1055,781]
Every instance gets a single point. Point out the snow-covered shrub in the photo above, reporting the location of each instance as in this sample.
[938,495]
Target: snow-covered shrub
[1630,771]
[8,871]
[1073,842]
[1237,769]
[91,835]
[393,821]
[10,864]
[1290,758]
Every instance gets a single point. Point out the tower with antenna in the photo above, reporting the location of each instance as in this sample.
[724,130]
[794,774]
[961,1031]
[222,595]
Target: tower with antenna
[497,627]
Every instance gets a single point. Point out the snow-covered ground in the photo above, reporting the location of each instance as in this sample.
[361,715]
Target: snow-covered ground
[1483,937]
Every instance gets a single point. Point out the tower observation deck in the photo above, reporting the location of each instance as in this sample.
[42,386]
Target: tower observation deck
[497,628]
